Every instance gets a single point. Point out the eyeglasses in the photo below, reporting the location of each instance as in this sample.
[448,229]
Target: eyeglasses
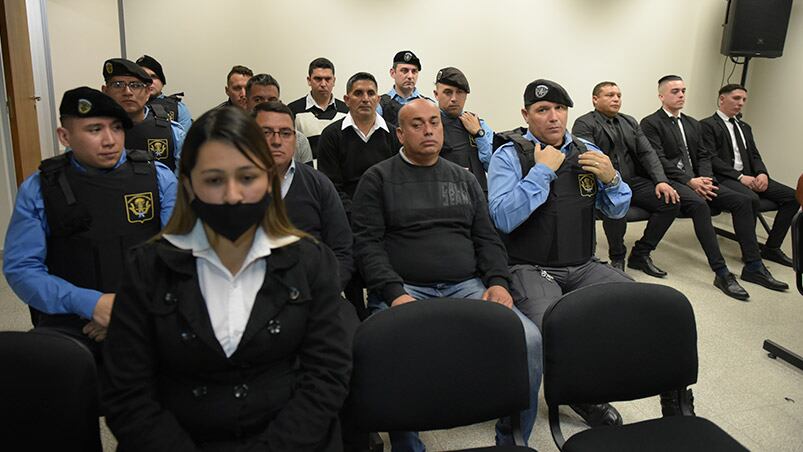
[133,86]
[285,134]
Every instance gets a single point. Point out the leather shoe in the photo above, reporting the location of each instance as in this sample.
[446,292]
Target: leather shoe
[731,288]
[618,264]
[644,263]
[677,403]
[598,415]
[776,255]
[764,278]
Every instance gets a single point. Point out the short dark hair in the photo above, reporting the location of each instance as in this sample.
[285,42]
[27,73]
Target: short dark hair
[731,87]
[262,80]
[274,106]
[360,76]
[237,69]
[321,63]
[598,87]
[668,78]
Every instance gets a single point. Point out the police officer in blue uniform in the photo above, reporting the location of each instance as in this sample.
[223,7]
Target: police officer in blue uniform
[75,218]
[404,72]
[467,139]
[128,84]
[173,106]
[543,188]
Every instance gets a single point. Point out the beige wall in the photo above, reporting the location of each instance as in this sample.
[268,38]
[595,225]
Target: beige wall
[501,46]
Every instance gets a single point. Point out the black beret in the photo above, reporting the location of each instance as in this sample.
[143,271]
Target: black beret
[150,62]
[548,90]
[85,102]
[453,77]
[407,57]
[121,66]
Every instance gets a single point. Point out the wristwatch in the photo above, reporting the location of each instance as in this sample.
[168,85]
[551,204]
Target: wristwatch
[480,133]
[614,182]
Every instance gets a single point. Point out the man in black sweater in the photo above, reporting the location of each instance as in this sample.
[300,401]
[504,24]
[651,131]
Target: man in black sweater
[353,144]
[422,230]
[310,198]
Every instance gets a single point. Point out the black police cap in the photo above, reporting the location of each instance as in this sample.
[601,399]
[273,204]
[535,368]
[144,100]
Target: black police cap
[150,62]
[85,102]
[407,57]
[453,77]
[548,90]
[121,66]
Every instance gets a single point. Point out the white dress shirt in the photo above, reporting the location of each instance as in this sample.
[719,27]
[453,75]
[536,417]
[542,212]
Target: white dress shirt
[229,298]
[380,123]
[738,165]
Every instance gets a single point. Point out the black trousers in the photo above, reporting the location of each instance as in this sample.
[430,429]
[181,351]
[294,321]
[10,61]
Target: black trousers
[661,217]
[741,210]
[779,194]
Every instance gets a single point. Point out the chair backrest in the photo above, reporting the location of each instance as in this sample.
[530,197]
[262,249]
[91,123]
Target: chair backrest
[797,249]
[436,364]
[48,393]
[618,341]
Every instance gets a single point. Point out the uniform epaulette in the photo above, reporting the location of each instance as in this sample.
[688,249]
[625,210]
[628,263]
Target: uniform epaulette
[54,164]
[160,113]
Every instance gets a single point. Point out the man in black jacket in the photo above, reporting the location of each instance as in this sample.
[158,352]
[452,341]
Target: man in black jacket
[738,166]
[677,138]
[621,138]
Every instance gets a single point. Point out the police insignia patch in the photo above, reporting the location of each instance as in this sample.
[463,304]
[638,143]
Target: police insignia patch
[408,56]
[159,148]
[541,90]
[109,68]
[588,184]
[171,115]
[440,74]
[84,106]
[139,207]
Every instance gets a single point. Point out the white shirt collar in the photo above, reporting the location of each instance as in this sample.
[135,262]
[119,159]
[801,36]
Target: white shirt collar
[311,101]
[197,241]
[670,114]
[723,116]
[379,123]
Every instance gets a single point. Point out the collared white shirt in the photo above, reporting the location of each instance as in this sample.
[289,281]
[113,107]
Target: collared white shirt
[379,123]
[738,165]
[229,298]
[311,102]
[680,124]
[288,178]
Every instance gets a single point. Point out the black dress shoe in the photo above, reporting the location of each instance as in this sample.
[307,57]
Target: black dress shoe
[731,288]
[776,255]
[763,277]
[598,415]
[677,403]
[618,263]
[644,263]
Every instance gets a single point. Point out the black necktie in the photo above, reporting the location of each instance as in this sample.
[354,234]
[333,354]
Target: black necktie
[619,151]
[684,151]
[742,148]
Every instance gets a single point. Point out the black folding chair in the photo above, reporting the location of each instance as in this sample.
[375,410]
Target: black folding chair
[438,364]
[48,393]
[625,341]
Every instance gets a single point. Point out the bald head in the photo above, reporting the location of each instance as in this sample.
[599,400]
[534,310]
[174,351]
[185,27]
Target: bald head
[420,131]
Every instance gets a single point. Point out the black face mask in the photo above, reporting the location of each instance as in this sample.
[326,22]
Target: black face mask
[231,220]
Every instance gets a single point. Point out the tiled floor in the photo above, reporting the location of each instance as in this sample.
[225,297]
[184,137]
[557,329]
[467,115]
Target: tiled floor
[757,400]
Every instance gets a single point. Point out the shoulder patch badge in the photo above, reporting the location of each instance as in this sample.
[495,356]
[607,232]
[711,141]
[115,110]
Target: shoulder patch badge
[139,207]
[588,184]
[158,148]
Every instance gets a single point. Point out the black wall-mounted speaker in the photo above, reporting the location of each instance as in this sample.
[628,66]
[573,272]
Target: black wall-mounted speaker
[755,28]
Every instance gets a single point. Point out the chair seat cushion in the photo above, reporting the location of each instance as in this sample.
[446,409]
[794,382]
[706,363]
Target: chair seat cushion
[675,433]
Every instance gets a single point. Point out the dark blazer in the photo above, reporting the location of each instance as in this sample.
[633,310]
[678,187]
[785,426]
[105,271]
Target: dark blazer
[718,139]
[658,128]
[171,386]
[591,126]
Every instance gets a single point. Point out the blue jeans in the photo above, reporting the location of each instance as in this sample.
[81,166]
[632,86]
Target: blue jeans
[474,288]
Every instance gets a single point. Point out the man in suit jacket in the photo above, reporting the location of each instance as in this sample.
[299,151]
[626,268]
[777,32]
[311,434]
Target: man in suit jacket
[677,139]
[621,138]
[737,165]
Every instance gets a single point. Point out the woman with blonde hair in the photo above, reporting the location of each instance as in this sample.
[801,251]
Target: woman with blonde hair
[225,334]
